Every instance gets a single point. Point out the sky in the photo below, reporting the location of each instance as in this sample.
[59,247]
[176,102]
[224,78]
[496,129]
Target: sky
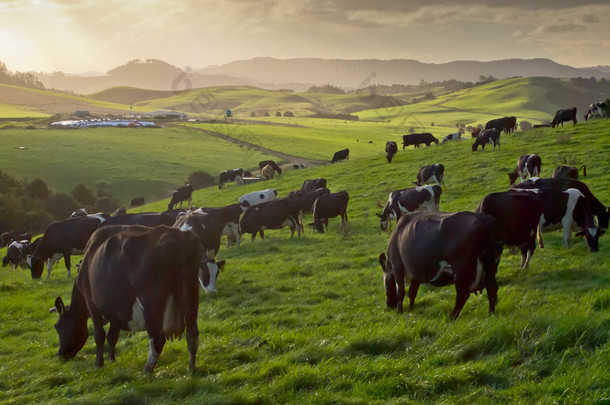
[76,36]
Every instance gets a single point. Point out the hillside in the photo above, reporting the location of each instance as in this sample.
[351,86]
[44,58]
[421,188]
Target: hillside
[303,320]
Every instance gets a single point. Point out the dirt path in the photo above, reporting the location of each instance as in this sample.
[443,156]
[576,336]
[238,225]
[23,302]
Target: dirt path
[290,159]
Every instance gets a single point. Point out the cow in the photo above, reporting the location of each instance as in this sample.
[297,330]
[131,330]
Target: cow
[227,219]
[267,172]
[561,184]
[271,163]
[475,132]
[137,202]
[303,201]
[566,207]
[512,125]
[340,155]
[313,184]
[390,150]
[438,249]
[150,219]
[456,136]
[7,237]
[596,110]
[421,198]
[430,174]
[517,215]
[491,136]
[330,206]
[417,139]
[15,236]
[527,166]
[257,197]
[229,175]
[569,171]
[16,254]
[63,238]
[183,193]
[506,124]
[274,214]
[564,115]
[136,279]
[297,166]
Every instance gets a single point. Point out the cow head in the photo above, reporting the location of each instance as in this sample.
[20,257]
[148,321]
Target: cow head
[72,331]
[318,225]
[5,261]
[512,177]
[388,281]
[208,273]
[475,146]
[36,265]
[384,221]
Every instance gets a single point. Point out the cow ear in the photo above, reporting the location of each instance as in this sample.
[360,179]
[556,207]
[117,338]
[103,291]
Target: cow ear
[221,264]
[59,306]
[382,260]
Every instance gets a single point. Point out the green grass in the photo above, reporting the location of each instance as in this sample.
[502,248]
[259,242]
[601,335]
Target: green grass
[303,320]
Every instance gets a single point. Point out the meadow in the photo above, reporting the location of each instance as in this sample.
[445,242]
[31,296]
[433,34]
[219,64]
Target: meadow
[303,320]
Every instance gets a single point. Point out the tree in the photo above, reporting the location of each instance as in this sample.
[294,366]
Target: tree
[38,190]
[288,114]
[278,114]
[83,195]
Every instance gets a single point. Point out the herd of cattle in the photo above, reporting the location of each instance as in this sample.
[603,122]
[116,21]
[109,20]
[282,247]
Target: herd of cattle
[143,271]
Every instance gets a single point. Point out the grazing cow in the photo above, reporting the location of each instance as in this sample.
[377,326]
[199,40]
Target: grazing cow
[150,219]
[271,163]
[227,219]
[564,115]
[136,279]
[137,202]
[438,249]
[527,166]
[566,207]
[183,193]
[16,254]
[297,166]
[569,171]
[421,198]
[9,236]
[303,201]
[390,150]
[330,206]
[274,214]
[257,197]
[430,174]
[417,139]
[63,238]
[563,183]
[340,155]
[597,110]
[267,172]
[313,184]
[491,136]
[517,215]
[229,175]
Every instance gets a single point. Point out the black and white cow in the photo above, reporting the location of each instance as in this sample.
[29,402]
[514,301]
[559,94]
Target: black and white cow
[527,166]
[563,183]
[390,150]
[517,214]
[330,206]
[297,166]
[487,136]
[17,253]
[562,116]
[257,197]
[430,174]
[229,175]
[227,219]
[274,214]
[340,155]
[456,136]
[271,163]
[9,236]
[438,249]
[596,110]
[63,238]
[135,279]
[421,198]
[183,193]
[417,139]
[313,184]
[569,171]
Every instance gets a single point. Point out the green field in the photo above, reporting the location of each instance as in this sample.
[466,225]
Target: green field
[303,320]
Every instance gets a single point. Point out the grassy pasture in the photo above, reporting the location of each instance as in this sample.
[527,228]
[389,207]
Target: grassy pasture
[303,320]
[124,161]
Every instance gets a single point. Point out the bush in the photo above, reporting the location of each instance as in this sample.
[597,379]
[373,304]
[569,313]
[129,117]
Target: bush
[525,125]
[200,179]
[278,114]
[252,114]
[288,114]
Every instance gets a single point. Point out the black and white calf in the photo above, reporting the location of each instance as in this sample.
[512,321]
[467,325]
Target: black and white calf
[421,198]
[17,253]
[257,197]
[527,166]
[430,174]
[229,175]
[438,249]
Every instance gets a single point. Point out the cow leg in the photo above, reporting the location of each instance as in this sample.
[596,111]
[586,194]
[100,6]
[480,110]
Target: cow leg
[262,234]
[99,334]
[113,338]
[540,224]
[462,291]
[399,279]
[67,262]
[155,345]
[413,288]
[192,332]
[567,231]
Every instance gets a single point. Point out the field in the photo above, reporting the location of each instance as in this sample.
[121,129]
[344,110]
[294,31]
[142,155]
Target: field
[303,320]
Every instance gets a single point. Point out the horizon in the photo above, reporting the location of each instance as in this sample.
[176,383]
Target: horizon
[77,37]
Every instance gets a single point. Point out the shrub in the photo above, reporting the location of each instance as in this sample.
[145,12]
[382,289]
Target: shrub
[252,114]
[200,179]
[288,114]
[525,125]
[278,114]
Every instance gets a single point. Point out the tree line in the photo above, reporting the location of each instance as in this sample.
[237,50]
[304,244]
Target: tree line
[19,78]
